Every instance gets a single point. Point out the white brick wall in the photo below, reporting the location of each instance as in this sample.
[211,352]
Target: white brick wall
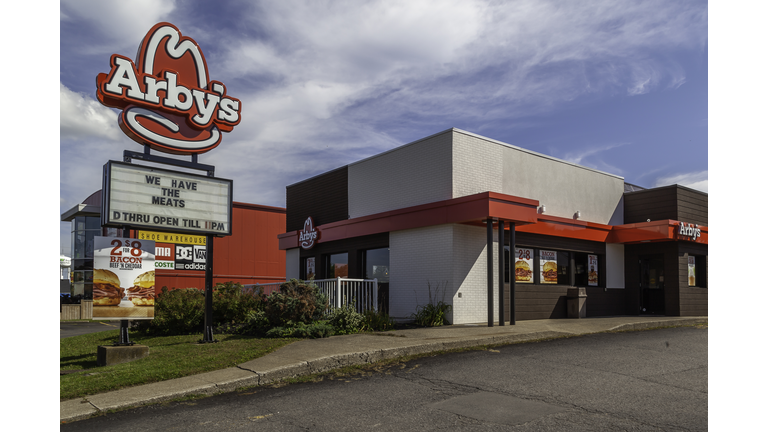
[482,164]
[470,273]
[477,166]
[419,257]
[417,173]
[453,256]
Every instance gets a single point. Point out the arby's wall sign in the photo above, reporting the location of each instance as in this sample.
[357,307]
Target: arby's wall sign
[688,231]
[166,96]
[308,235]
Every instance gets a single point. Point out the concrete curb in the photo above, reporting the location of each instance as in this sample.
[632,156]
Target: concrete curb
[660,323]
[259,372]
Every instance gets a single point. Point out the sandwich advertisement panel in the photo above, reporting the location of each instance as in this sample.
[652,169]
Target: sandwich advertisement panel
[523,265]
[123,278]
[548,266]
[691,271]
[592,270]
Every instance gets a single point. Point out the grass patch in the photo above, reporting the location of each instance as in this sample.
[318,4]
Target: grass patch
[169,357]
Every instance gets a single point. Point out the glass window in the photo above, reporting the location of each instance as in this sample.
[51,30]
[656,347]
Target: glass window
[77,276]
[79,224]
[338,265]
[581,272]
[563,268]
[309,271]
[697,271]
[83,264]
[92,223]
[79,245]
[377,264]
[89,243]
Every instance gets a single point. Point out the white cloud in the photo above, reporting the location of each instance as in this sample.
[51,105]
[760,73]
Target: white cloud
[698,180]
[590,157]
[120,22]
[82,117]
[411,57]
[320,81]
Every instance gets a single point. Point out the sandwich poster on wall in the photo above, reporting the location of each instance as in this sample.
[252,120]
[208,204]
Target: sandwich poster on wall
[123,278]
[523,265]
[311,267]
[691,271]
[592,270]
[548,266]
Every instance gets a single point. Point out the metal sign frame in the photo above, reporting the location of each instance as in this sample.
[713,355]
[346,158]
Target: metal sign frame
[105,203]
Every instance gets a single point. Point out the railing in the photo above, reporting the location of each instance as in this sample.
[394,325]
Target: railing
[340,291]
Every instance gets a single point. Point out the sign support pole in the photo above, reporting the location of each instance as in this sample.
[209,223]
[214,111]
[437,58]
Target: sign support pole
[512,259]
[501,272]
[489,258]
[124,338]
[208,330]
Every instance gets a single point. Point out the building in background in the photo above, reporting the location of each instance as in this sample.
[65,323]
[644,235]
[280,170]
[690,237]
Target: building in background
[250,255]
[416,218]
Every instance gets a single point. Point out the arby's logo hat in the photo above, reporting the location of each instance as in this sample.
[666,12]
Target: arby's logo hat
[167,98]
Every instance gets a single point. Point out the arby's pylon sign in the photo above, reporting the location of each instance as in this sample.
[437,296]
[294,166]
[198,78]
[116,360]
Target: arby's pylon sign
[167,99]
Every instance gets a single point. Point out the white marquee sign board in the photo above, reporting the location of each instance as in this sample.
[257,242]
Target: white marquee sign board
[146,197]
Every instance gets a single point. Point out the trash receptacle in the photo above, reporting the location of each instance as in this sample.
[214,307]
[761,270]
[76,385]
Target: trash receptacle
[577,302]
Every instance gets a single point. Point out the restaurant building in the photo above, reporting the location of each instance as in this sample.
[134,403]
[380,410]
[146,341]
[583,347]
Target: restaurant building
[250,255]
[433,220]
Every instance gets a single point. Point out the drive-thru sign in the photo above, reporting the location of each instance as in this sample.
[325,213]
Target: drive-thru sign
[169,104]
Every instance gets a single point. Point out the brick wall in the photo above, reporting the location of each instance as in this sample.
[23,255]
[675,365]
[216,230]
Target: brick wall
[477,165]
[417,258]
[470,266]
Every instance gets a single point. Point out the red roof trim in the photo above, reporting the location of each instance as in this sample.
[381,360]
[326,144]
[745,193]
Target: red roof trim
[475,209]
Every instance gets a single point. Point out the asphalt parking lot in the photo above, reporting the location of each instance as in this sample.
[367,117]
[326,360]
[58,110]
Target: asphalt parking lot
[77,328]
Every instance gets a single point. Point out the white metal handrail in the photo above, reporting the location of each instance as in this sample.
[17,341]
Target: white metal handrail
[363,293]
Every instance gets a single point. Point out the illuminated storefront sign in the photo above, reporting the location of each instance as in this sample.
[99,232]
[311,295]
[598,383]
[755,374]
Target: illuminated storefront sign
[167,99]
[309,234]
[687,231]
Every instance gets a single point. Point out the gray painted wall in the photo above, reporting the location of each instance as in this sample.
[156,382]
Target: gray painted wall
[482,164]
[455,163]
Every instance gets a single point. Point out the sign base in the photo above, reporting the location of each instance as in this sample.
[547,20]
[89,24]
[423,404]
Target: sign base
[110,355]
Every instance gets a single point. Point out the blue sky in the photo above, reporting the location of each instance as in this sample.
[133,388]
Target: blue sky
[617,86]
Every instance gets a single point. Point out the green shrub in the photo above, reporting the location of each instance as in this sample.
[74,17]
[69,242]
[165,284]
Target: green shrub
[301,330]
[177,312]
[434,313]
[346,320]
[232,303]
[377,321]
[296,302]
[255,324]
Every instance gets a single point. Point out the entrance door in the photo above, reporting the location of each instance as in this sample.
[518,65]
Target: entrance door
[652,285]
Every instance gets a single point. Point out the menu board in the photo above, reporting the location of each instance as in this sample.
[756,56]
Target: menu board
[548,266]
[123,278]
[592,270]
[691,271]
[523,265]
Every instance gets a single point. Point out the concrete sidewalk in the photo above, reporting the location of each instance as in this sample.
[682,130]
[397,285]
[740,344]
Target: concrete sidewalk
[312,356]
